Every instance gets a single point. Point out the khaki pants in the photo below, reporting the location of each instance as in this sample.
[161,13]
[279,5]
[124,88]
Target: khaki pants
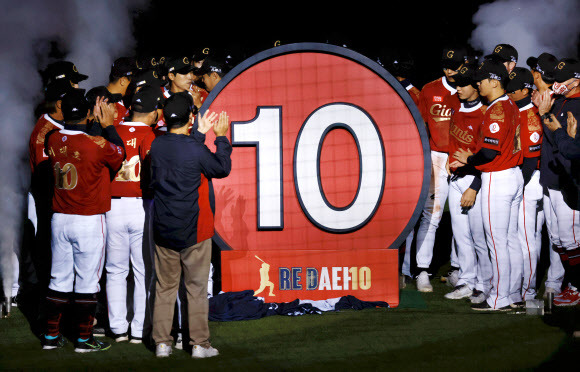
[195,263]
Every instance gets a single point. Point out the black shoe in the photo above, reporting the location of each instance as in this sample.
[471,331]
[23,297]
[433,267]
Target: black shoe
[92,345]
[517,305]
[53,343]
[484,306]
[99,331]
[120,337]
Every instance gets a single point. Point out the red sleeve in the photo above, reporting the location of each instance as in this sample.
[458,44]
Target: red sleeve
[494,128]
[531,134]
[113,155]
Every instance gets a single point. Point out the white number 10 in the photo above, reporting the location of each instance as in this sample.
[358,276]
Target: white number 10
[265,132]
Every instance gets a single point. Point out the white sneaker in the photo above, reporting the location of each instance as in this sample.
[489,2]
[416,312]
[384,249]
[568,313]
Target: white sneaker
[423,283]
[452,278]
[199,352]
[179,341]
[162,351]
[477,297]
[462,291]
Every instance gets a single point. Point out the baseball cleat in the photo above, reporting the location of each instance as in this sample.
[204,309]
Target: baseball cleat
[477,297]
[53,343]
[136,340]
[569,297]
[423,283]
[91,345]
[162,351]
[99,331]
[461,291]
[199,352]
[484,306]
[517,305]
[451,278]
[120,337]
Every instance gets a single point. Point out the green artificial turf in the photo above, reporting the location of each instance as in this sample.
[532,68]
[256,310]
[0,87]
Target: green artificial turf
[425,333]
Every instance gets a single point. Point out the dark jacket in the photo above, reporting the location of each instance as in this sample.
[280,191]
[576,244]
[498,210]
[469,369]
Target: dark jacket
[567,149]
[181,170]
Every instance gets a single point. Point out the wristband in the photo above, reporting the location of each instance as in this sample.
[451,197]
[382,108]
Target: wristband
[545,116]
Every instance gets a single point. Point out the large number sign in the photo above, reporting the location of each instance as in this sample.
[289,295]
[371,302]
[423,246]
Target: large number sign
[330,172]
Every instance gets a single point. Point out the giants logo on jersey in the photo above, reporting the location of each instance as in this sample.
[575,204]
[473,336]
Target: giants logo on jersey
[462,136]
[442,111]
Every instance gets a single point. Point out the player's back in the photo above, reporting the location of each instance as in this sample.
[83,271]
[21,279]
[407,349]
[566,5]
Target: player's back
[81,171]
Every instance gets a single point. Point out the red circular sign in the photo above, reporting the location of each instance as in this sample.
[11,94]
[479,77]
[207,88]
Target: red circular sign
[329,152]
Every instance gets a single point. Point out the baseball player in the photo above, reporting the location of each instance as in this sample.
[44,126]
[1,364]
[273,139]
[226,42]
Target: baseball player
[81,166]
[531,217]
[497,157]
[120,77]
[561,124]
[126,221]
[464,204]
[41,181]
[542,68]
[436,101]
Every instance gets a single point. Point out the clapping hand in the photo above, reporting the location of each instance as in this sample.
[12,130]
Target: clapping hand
[572,125]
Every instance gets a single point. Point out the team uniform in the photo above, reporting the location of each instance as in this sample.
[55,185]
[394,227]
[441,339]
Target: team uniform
[472,254]
[531,215]
[501,195]
[125,229]
[122,113]
[436,101]
[82,196]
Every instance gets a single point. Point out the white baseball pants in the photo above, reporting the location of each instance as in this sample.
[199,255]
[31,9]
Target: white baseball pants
[78,252]
[501,195]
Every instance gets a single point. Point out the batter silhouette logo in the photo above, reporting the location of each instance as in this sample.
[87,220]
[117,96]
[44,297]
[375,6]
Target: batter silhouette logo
[330,172]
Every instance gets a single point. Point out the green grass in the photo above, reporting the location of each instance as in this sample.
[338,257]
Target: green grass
[426,332]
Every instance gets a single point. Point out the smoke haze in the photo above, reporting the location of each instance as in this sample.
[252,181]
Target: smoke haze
[94,33]
[531,26]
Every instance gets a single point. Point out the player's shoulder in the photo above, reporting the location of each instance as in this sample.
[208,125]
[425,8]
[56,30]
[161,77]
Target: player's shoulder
[434,84]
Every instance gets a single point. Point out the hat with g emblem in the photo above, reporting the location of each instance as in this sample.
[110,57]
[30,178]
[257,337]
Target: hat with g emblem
[567,68]
[148,78]
[520,78]
[452,58]
[504,53]
[62,70]
[179,65]
[464,76]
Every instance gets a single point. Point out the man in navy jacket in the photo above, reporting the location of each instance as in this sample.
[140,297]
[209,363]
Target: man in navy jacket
[181,167]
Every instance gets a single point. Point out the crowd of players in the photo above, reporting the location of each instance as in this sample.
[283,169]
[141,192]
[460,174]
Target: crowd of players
[504,150]
[91,194]
[504,155]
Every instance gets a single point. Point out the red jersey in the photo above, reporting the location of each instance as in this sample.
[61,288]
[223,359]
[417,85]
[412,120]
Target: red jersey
[127,182]
[436,101]
[122,113]
[36,144]
[464,128]
[81,171]
[500,130]
[531,131]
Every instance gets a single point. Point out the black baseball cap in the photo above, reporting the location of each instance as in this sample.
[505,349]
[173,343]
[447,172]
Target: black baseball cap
[148,78]
[74,105]
[123,66]
[452,58]
[491,69]
[465,75]
[520,78]
[177,109]
[504,53]
[55,90]
[211,65]
[544,64]
[146,63]
[147,99]
[567,68]
[62,70]
[101,91]
[201,53]
[179,65]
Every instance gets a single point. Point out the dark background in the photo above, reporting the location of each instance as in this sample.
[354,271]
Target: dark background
[420,29]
